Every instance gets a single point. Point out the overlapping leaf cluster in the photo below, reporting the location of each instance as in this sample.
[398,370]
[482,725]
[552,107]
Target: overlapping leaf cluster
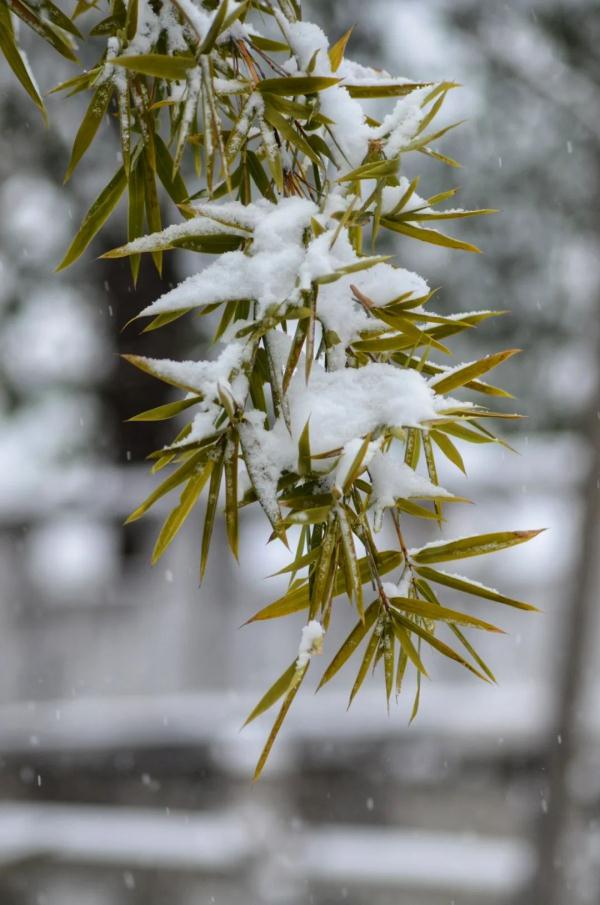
[274,127]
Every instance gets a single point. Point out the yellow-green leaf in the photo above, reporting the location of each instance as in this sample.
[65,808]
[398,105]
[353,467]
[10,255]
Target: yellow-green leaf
[295,85]
[336,51]
[276,691]
[158,65]
[177,517]
[95,218]
[440,613]
[467,586]
[164,412]
[89,125]
[477,545]
[351,643]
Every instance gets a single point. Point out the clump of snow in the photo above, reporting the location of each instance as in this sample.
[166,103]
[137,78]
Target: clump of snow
[311,643]
[267,274]
[392,479]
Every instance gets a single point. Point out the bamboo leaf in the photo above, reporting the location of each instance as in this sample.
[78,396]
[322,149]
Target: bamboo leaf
[458,377]
[438,645]
[440,613]
[177,517]
[211,510]
[383,89]
[471,546]
[388,639]
[298,598]
[95,218]
[304,460]
[351,643]
[467,586]
[336,51]
[365,664]
[411,652]
[169,410]
[231,494]
[279,721]
[428,235]
[215,29]
[12,54]
[377,169]
[276,691]
[158,65]
[295,85]
[174,480]
[89,125]
[448,448]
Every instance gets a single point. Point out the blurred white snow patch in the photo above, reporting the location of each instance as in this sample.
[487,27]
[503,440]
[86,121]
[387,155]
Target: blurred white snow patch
[70,557]
[35,223]
[55,337]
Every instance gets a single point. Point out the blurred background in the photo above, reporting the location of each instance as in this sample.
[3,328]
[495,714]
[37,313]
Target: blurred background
[124,779]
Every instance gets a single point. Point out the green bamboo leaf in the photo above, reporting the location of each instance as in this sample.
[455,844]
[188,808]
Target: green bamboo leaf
[95,218]
[458,377]
[467,586]
[426,216]
[428,235]
[164,412]
[448,448]
[401,670]
[304,459]
[412,508]
[57,17]
[477,545]
[295,85]
[473,653]
[185,471]
[287,703]
[268,45]
[177,517]
[290,134]
[151,202]
[299,563]
[405,641]
[158,65]
[350,562]
[131,19]
[259,176]
[78,83]
[440,613]
[89,125]
[215,29]
[363,264]
[231,494]
[376,169]
[337,50]
[388,641]
[365,663]
[211,510]
[417,699]
[135,215]
[45,28]
[382,89]
[173,182]
[438,645]
[351,643]
[12,54]
[297,599]
[276,691]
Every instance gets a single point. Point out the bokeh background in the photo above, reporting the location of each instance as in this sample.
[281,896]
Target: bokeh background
[124,779]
